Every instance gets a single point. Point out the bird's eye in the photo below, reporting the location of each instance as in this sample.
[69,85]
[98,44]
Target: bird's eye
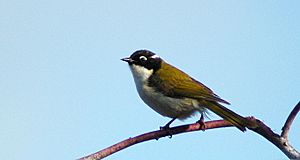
[143,58]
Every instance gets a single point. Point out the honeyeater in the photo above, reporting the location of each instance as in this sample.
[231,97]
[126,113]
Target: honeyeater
[173,93]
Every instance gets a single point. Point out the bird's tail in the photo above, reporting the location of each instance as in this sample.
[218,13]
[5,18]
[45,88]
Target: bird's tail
[228,115]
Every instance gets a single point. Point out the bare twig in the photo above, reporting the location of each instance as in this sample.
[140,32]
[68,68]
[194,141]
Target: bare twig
[289,121]
[254,124]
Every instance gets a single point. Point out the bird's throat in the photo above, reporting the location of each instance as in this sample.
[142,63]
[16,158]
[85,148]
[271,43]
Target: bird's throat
[140,73]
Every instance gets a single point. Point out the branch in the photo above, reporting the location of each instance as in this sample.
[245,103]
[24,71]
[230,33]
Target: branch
[155,135]
[279,141]
[256,125]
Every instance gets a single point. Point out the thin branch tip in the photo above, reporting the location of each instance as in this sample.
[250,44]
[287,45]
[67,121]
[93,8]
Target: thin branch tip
[288,123]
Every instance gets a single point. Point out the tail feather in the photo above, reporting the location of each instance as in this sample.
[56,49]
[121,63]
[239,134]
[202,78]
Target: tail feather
[228,115]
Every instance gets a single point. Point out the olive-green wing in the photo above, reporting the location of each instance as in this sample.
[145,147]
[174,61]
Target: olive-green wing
[175,83]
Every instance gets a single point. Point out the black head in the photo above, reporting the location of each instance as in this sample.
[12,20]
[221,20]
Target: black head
[144,58]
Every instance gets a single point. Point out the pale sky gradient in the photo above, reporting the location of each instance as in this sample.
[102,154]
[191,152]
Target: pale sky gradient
[64,93]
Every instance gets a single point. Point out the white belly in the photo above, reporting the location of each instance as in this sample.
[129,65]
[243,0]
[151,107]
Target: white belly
[167,106]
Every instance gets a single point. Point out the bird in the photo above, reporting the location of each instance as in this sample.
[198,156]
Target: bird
[173,93]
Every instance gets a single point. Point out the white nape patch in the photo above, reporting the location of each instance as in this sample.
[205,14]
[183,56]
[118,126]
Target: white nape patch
[155,56]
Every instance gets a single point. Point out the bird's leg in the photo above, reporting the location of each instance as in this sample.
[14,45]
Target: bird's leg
[201,122]
[167,127]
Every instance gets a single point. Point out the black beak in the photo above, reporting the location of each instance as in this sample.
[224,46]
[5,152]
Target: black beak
[129,60]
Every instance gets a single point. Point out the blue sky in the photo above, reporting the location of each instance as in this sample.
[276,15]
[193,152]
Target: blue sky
[65,93]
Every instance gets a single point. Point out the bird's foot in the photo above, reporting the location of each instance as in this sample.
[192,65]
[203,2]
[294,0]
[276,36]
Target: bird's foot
[202,123]
[167,128]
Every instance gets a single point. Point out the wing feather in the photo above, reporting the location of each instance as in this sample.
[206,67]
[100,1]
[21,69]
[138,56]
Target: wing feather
[175,83]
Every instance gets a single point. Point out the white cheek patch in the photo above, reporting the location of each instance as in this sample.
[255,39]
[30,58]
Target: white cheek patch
[155,56]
